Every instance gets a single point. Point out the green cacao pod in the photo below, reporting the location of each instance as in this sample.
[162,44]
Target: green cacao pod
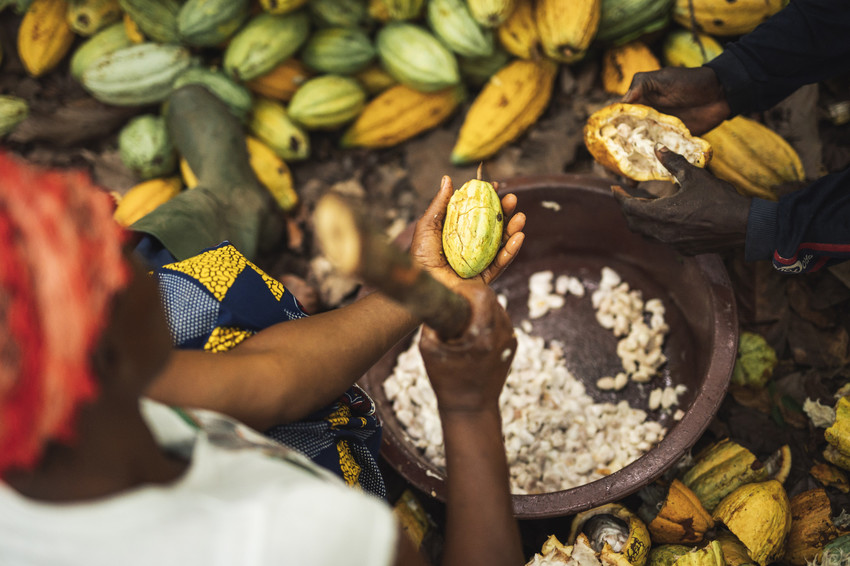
[207,23]
[339,13]
[273,126]
[338,51]
[720,469]
[263,42]
[145,147]
[416,58]
[755,361]
[455,26]
[237,97]
[621,21]
[156,18]
[472,230]
[327,102]
[13,111]
[683,48]
[18,6]
[281,6]
[491,13]
[136,75]
[87,17]
[104,42]
[401,10]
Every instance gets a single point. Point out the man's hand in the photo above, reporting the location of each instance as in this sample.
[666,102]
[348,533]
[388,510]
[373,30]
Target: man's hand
[468,373]
[692,94]
[706,214]
[427,246]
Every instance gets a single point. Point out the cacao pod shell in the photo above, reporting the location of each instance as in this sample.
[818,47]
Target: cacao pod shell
[622,138]
[636,547]
[709,555]
[666,554]
[681,518]
[811,526]
[472,230]
[720,469]
[734,551]
[759,514]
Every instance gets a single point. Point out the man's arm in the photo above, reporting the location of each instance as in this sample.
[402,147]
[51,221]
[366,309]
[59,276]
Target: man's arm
[804,43]
[806,230]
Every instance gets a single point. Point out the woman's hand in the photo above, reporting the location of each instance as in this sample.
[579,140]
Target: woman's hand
[468,373]
[427,246]
[705,215]
[692,94]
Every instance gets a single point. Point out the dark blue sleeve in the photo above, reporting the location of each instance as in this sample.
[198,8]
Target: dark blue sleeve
[806,230]
[806,42]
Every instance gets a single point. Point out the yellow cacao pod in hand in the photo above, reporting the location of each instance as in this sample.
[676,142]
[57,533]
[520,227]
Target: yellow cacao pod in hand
[472,230]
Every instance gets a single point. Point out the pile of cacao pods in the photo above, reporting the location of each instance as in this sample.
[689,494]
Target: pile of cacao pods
[377,71]
[722,507]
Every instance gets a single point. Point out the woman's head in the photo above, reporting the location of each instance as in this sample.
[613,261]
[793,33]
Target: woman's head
[61,263]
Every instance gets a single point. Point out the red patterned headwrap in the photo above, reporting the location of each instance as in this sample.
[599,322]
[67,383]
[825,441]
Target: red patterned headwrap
[60,264]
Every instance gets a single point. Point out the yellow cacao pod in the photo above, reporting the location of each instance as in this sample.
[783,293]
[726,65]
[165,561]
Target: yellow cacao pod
[566,28]
[472,230]
[281,82]
[620,64]
[270,123]
[759,514]
[752,157]
[721,17]
[400,113]
[44,36]
[614,517]
[622,138]
[838,435]
[679,519]
[684,48]
[145,197]
[134,32]
[374,79]
[491,13]
[518,33]
[709,555]
[734,550]
[811,526]
[509,103]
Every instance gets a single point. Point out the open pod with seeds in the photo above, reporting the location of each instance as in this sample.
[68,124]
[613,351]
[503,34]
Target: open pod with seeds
[734,551]
[553,553]
[721,468]
[673,514]
[617,534]
[622,137]
[759,514]
[811,526]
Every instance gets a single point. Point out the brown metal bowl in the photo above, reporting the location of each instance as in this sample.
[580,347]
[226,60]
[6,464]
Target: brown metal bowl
[587,233]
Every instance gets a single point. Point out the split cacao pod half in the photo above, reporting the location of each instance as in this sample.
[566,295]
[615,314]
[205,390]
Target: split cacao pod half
[622,138]
[676,518]
[633,540]
[472,230]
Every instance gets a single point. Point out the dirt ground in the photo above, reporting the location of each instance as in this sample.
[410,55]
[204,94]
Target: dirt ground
[805,318]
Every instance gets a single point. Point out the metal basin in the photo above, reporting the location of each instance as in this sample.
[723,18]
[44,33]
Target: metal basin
[580,233]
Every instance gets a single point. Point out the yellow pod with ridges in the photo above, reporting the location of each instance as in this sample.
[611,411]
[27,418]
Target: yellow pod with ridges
[511,101]
[566,28]
[270,123]
[87,17]
[281,82]
[752,157]
[472,229]
[759,514]
[400,113]
[133,31]
[684,48]
[725,18]
[619,65]
[518,33]
[270,169]
[491,13]
[44,36]
[721,468]
[281,6]
[145,197]
[375,80]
